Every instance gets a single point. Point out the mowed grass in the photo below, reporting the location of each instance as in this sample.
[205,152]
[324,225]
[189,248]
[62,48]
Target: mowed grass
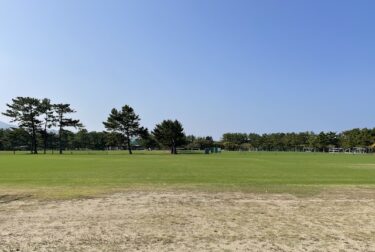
[86,174]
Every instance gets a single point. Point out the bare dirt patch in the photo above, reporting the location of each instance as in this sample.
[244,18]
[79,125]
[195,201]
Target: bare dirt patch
[192,221]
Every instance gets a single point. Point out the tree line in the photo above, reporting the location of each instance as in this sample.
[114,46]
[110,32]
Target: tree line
[323,141]
[44,125]
[36,117]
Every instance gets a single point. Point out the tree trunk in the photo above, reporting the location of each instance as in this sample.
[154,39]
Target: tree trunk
[173,150]
[129,146]
[60,141]
[45,140]
[45,144]
[34,147]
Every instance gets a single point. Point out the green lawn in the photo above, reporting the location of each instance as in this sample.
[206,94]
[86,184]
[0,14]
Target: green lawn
[78,173]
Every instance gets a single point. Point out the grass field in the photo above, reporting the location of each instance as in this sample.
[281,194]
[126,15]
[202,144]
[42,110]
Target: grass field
[153,201]
[92,172]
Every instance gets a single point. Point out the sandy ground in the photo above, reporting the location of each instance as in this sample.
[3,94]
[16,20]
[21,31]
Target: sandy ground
[191,221]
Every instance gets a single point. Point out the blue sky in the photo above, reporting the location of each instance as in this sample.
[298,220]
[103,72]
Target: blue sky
[217,66]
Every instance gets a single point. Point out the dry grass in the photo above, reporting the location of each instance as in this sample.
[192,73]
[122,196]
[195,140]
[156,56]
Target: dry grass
[335,220]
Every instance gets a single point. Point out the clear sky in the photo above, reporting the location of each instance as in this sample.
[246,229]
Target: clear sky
[217,66]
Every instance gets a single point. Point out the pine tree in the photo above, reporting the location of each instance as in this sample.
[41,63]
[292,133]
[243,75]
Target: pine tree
[62,121]
[170,133]
[126,122]
[25,111]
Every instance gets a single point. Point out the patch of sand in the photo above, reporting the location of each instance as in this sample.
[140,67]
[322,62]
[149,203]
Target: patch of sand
[191,221]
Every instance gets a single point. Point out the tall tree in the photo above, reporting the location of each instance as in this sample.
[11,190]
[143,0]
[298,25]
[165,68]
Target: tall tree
[170,133]
[49,120]
[125,122]
[62,110]
[25,111]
